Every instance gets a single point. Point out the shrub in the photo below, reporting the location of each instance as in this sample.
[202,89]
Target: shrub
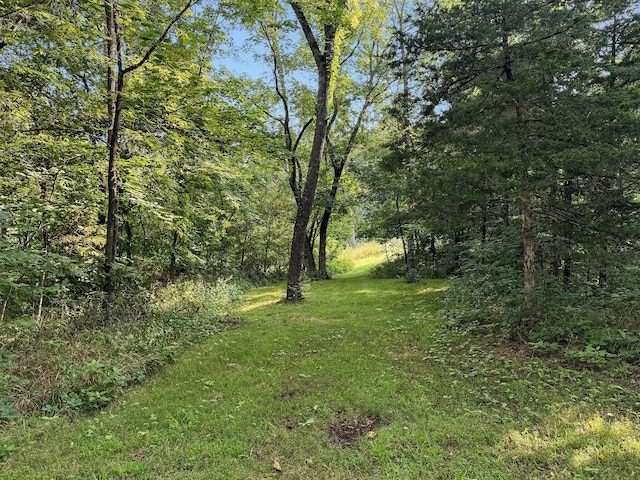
[392,269]
[340,265]
[75,362]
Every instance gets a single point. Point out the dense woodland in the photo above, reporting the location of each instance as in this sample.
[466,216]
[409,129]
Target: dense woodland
[497,139]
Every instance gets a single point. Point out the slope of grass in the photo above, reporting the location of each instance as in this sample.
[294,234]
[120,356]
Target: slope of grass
[361,381]
[364,256]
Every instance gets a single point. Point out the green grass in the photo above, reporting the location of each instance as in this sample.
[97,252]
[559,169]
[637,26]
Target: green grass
[360,381]
[364,256]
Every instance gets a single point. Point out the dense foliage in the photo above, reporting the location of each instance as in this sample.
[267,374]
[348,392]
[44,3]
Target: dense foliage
[515,165]
[134,167]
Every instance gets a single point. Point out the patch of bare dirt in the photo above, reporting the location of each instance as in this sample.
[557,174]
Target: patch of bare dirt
[345,431]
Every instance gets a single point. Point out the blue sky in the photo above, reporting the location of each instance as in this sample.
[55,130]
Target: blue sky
[240,60]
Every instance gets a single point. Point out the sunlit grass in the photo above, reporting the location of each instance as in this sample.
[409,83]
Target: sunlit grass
[364,256]
[364,355]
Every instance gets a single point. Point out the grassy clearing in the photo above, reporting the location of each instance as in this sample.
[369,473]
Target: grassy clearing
[361,381]
[364,256]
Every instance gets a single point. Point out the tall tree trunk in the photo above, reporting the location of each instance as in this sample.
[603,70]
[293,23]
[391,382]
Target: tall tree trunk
[324,223]
[408,242]
[116,72]
[115,83]
[526,205]
[324,61]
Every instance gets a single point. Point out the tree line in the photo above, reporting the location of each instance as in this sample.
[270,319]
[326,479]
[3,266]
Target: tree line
[515,163]
[131,156]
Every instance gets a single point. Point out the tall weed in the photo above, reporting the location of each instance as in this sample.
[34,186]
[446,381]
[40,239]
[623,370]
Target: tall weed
[75,361]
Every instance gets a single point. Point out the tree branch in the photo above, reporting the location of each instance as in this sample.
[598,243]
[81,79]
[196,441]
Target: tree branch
[351,53]
[19,9]
[280,90]
[304,128]
[308,33]
[160,39]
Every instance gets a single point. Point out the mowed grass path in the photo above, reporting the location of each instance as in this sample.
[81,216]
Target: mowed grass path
[361,381]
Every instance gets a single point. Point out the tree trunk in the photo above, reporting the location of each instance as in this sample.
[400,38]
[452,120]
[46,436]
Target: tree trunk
[322,244]
[129,231]
[566,261]
[115,83]
[267,246]
[116,73]
[526,206]
[529,256]
[323,273]
[324,61]
[483,226]
[432,250]
[243,250]
[172,262]
[309,258]
[401,231]
[505,214]
[408,244]
[324,223]
[411,251]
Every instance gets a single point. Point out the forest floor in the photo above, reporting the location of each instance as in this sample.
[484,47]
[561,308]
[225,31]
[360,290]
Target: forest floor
[360,381]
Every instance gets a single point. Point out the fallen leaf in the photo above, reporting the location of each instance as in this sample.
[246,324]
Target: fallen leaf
[276,465]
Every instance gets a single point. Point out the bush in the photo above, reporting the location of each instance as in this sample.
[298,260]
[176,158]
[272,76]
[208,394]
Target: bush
[587,322]
[340,265]
[75,362]
[392,269]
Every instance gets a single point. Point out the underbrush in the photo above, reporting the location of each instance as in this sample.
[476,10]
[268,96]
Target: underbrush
[73,360]
[581,320]
[592,327]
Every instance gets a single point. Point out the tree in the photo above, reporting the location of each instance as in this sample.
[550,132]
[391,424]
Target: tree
[190,145]
[48,148]
[117,72]
[495,72]
[323,51]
